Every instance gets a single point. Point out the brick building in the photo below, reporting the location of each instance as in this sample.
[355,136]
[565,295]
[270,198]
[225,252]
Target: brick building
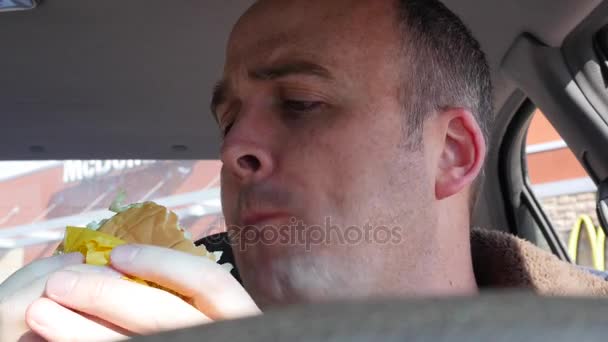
[559,181]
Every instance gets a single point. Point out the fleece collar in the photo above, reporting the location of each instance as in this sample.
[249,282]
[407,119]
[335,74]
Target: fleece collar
[503,261]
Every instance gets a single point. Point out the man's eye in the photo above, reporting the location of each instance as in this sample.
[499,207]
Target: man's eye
[301,106]
[226,129]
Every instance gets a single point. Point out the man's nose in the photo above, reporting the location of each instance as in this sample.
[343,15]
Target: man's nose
[246,160]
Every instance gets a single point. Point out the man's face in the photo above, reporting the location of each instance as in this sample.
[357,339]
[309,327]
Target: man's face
[319,180]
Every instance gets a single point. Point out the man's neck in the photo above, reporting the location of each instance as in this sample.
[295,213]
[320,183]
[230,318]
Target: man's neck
[453,245]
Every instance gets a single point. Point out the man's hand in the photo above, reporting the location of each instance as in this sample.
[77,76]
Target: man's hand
[128,307]
[26,286]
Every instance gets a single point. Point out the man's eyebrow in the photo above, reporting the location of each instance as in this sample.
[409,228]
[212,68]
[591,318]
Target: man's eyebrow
[269,73]
[288,69]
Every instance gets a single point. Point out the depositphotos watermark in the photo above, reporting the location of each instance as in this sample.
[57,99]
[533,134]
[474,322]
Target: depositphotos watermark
[298,233]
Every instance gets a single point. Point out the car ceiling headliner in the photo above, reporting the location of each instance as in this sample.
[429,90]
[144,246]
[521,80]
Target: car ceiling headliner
[132,79]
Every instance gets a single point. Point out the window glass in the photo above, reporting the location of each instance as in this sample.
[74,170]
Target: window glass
[40,198]
[565,191]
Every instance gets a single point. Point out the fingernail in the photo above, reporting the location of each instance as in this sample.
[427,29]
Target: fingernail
[124,254]
[74,257]
[61,284]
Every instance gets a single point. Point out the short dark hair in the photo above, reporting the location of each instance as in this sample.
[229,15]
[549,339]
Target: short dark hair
[445,66]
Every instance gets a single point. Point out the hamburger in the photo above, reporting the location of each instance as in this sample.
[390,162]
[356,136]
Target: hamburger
[141,223]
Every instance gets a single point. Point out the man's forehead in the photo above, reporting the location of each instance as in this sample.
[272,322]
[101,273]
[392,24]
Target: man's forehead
[287,18]
[274,28]
[343,41]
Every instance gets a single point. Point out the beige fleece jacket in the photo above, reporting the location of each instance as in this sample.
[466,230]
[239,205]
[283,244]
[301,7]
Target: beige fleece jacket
[502,260]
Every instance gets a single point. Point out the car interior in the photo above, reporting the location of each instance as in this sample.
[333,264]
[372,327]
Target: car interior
[132,80]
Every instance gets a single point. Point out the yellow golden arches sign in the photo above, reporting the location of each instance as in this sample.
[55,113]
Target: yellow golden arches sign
[597,241]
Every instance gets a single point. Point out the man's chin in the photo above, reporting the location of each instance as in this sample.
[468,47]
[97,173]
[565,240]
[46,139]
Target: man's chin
[269,288]
[284,276]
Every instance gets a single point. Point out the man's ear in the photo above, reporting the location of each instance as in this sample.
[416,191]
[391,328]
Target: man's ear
[463,152]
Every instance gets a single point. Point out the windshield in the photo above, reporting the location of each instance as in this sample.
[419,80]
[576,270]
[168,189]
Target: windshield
[41,198]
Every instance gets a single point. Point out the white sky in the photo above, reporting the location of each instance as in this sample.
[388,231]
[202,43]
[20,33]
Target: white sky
[10,169]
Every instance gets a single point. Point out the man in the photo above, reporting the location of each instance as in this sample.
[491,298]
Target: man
[351,115]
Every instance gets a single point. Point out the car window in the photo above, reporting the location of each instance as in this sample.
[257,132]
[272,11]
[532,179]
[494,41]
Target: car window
[565,192]
[40,198]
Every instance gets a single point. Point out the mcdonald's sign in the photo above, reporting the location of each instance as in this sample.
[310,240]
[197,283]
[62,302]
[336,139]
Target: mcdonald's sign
[597,241]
